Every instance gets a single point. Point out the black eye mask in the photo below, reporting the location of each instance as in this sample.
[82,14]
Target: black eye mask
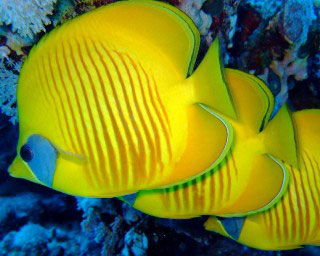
[41,156]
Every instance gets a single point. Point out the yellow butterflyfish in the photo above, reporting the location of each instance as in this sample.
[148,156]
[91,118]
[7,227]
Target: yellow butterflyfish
[109,104]
[295,220]
[251,178]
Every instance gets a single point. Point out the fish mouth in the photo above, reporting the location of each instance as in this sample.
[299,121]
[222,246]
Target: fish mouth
[18,169]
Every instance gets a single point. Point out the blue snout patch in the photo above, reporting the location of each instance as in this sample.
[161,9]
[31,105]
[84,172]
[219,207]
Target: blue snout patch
[41,157]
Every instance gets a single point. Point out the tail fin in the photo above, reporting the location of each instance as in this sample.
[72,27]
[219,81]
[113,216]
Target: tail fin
[210,88]
[279,138]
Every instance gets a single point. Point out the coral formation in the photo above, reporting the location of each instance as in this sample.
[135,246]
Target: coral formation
[26,17]
[296,20]
[266,11]
[8,84]
[269,38]
[200,18]
[4,52]
[136,244]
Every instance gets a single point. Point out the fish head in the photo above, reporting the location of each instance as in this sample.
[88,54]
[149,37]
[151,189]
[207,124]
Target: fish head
[40,161]
[45,154]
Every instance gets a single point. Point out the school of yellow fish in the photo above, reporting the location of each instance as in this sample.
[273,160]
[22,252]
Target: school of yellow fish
[110,105]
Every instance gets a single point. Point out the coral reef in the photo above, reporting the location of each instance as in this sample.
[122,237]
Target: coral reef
[200,18]
[271,40]
[26,17]
[8,84]
[135,243]
[277,40]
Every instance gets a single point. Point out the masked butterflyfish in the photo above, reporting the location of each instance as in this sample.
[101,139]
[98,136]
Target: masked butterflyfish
[251,178]
[109,104]
[295,220]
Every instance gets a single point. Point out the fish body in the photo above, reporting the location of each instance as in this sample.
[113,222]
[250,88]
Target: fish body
[109,101]
[294,221]
[251,178]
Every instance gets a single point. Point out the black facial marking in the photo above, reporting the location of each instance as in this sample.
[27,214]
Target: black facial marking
[26,153]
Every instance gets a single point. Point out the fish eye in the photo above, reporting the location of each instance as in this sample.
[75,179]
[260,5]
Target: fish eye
[41,156]
[26,153]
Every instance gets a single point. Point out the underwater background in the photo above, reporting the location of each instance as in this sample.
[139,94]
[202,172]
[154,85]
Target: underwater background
[278,41]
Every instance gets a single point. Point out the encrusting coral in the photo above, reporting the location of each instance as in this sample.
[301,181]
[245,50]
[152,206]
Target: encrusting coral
[9,81]
[26,17]
[268,42]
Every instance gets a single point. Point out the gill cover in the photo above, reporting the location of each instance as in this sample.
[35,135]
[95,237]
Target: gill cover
[41,156]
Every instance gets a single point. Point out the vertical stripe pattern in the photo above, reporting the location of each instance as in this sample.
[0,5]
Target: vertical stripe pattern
[108,108]
[296,218]
[205,193]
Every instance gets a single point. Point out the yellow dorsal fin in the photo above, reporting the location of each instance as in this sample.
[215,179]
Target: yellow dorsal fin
[279,138]
[252,99]
[209,84]
[148,25]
